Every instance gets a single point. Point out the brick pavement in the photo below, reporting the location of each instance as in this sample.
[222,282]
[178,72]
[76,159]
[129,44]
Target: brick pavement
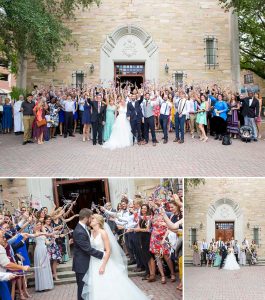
[72,158]
[214,284]
[158,291]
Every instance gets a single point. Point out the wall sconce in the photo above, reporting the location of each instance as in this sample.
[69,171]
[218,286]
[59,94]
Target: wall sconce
[166,68]
[201,226]
[248,225]
[91,68]
[1,188]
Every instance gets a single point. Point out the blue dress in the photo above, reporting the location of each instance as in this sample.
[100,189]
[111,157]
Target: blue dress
[4,290]
[86,117]
[221,106]
[110,118]
[22,251]
[7,120]
[76,112]
[61,116]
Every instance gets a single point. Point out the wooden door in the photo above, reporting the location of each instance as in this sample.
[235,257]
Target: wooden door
[225,230]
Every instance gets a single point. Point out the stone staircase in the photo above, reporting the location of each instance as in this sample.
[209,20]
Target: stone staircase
[67,276]
[261,263]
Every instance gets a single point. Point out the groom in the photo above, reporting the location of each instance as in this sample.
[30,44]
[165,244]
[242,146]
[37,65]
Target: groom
[82,249]
[223,252]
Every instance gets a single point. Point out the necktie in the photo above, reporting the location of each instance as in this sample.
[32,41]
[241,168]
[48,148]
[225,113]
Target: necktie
[98,107]
[166,109]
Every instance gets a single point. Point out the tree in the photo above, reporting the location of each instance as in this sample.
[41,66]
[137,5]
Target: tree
[36,29]
[251,21]
[192,182]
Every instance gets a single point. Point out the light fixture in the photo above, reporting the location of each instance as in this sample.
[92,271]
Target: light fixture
[248,225]
[91,68]
[201,225]
[1,188]
[166,68]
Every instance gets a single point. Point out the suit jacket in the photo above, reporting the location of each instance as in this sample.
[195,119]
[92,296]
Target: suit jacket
[135,112]
[97,116]
[83,250]
[251,111]
[223,251]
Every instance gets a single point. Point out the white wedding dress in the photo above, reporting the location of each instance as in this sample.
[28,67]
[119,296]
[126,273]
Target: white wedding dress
[230,262]
[121,135]
[114,283]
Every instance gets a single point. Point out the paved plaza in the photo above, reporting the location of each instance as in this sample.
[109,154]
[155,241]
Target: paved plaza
[73,158]
[203,283]
[155,289]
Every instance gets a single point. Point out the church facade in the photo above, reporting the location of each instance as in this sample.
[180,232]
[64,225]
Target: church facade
[225,208]
[170,43]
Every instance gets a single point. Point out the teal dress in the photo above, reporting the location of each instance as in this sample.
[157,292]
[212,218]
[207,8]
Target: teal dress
[217,260]
[110,118]
[201,116]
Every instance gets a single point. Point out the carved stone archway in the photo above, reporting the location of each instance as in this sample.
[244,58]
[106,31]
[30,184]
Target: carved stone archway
[126,44]
[225,210]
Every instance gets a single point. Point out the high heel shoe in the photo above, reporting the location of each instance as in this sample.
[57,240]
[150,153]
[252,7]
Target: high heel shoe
[173,278]
[152,278]
[205,139]
[163,280]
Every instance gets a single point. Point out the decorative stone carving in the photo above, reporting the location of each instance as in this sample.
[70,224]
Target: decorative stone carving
[129,48]
[225,212]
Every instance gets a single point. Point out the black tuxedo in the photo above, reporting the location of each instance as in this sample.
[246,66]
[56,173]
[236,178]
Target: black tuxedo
[98,116]
[251,111]
[223,252]
[134,111]
[81,256]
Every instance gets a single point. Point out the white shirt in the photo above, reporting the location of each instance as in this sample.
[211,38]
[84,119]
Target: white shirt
[69,106]
[4,276]
[85,227]
[81,103]
[165,107]
[204,245]
[182,107]
[4,261]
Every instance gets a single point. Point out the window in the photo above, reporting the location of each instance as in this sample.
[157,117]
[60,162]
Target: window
[211,51]
[78,79]
[248,79]
[193,235]
[178,78]
[256,235]
[122,69]
[4,77]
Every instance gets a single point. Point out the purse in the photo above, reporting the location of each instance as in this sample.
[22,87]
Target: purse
[41,123]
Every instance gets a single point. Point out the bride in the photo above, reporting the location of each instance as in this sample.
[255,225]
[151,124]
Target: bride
[107,278]
[230,262]
[121,135]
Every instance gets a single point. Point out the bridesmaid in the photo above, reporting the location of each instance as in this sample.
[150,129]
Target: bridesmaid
[110,118]
[43,272]
[7,116]
[196,254]
[232,117]
[201,118]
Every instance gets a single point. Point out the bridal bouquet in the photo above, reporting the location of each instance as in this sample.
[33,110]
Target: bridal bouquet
[195,248]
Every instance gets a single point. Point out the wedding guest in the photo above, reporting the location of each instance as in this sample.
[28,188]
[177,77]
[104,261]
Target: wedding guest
[75,117]
[258,119]
[40,121]
[69,111]
[27,107]
[182,110]
[236,250]
[86,118]
[242,256]
[232,118]
[165,108]
[218,258]
[204,250]
[193,107]
[18,116]
[54,117]
[111,113]
[196,254]
[43,273]
[61,114]
[219,119]
[210,255]
[250,111]
[201,118]
[7,119]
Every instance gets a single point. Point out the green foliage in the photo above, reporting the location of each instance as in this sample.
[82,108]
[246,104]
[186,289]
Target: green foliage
[16,92]
[192,182]
[251,18]
[35,29]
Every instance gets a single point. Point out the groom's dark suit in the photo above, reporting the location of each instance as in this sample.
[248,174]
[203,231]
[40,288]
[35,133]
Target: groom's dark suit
[82,253]
[134,111]
[223,252]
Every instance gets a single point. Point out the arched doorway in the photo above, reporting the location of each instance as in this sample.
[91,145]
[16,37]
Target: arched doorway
[129,54]
[225,220]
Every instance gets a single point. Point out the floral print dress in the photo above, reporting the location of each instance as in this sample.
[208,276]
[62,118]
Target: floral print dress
[53,248]
[159,230]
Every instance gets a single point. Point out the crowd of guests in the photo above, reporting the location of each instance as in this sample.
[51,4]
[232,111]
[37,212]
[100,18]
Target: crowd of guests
[50,112]
[210,253]
[149,231]
[32,240]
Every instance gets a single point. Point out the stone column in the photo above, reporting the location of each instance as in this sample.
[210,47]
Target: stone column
[235,55]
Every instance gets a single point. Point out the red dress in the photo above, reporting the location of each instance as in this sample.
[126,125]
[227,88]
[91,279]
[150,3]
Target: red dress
[159,230]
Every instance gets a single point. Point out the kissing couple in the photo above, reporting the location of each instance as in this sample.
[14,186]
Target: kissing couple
[100,263]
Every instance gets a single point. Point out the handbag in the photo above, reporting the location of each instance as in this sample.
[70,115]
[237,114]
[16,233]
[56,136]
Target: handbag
[41,123]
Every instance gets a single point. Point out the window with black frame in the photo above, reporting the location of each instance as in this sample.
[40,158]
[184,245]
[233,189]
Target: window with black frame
[193,235]
[256,235]
[248,78]
[211,52]
[178,78]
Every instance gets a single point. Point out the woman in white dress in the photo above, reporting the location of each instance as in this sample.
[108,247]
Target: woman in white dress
[230,262]
[121,135]
[107,278]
